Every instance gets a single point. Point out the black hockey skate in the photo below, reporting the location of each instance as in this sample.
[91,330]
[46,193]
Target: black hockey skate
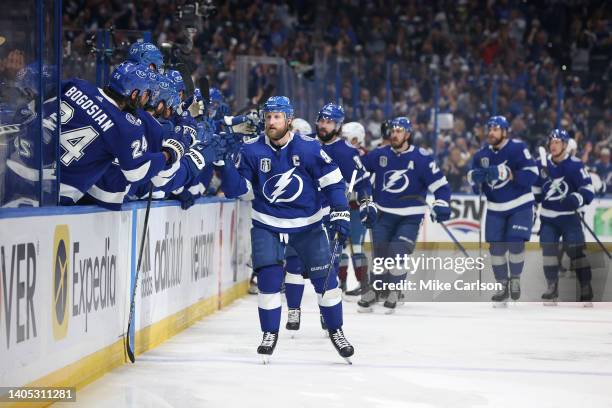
[515,288]
[293,319]
[354,292]
[266,348]
[341,344]
[586,294]
[500,298]
[368,298]
[552,294]
[391,302]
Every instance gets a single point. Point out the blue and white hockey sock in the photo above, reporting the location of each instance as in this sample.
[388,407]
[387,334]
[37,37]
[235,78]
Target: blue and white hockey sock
[516,257]
[331,305]
[294,283]
[269,280]
[499,262]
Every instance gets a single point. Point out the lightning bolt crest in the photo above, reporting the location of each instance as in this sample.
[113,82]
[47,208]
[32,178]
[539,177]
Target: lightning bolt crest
[282,184]
[395,176]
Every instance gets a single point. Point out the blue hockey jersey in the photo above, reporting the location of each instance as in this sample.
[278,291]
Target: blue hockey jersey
[508,196]
[284,182]
[401,180]
[348,159]
[95,132]
[111,189]
[566,178]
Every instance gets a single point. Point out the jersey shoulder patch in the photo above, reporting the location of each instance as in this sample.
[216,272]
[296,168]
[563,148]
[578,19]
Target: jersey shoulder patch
[306,138]
[575,159]
[251,140]
[133,119]
[424,152]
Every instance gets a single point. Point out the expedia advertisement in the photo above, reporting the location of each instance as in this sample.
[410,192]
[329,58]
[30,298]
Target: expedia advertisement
[64,284]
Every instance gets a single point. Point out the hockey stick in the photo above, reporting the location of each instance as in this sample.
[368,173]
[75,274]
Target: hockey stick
[128,347]
[544,164]
[334,253]
[601,245]
[448,232]
[481,212]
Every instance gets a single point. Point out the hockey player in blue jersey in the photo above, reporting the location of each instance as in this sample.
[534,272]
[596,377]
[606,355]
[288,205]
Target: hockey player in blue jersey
[99,126]
[346,157]
[506,172]
[283,173]
[403,174]
[111,190]
[564,186]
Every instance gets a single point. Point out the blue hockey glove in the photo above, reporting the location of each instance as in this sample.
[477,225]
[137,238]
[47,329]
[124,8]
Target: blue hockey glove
[204,153]
[185,198]
[340,223]
[574,201]
[367,212]
[500,172]
[477,176]
[440,211]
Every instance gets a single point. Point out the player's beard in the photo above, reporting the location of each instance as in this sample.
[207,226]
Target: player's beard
[496,142]
[398,144]
[326,136]
[277,134]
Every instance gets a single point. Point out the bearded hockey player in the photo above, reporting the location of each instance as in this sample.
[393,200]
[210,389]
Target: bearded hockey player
[403,174]
[505,171]
[329,124]
[282,173]
[564,186]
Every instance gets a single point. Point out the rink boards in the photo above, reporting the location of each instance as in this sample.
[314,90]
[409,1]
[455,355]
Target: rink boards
[466,213]
[66,278]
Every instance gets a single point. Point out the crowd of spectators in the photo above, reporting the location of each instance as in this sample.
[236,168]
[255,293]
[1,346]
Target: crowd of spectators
[541,64]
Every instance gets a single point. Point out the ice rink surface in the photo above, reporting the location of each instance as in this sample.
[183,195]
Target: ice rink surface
[425,355]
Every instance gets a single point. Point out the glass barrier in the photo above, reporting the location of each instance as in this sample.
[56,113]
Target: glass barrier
[28,81]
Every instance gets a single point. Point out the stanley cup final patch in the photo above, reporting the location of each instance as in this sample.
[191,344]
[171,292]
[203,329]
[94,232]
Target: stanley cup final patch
[382,161]
[265,165]
[484,162]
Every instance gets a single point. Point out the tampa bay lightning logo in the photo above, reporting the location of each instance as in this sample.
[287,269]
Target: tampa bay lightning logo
[395,181]
[556,190]
[284,187]
[497,184]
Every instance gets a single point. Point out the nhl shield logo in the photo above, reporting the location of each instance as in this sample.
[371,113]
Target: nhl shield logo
[382,161]
[484,162]
[265,165]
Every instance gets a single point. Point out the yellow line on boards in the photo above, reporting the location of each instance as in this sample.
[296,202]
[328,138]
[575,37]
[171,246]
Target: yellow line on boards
[91,367]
